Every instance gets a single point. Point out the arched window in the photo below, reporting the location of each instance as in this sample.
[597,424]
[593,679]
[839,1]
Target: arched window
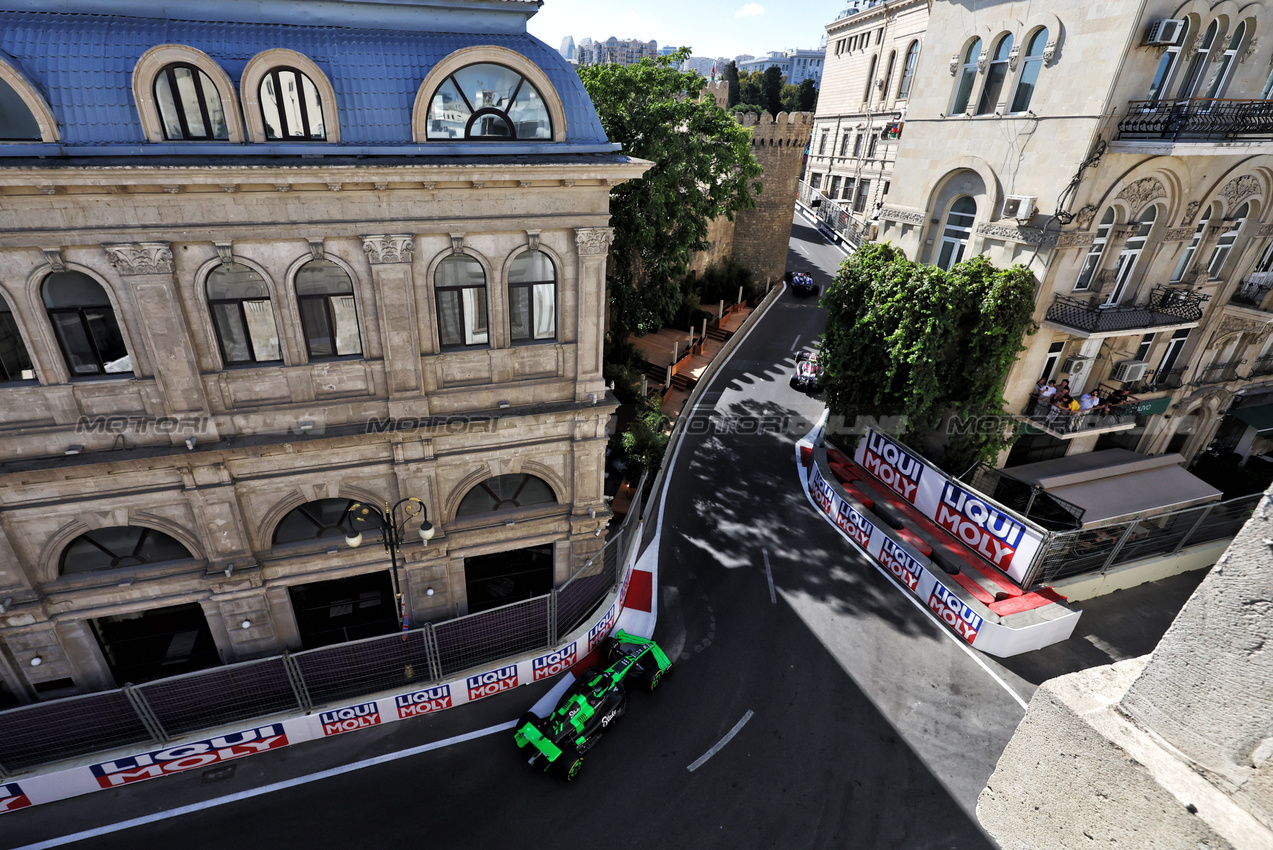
[329,316]
[15,363]
[189,104]
[17,122]
[321,519]
[1166,66]
[1092,262]
[240,305]
[1225,244]
[291,106]
[1130,255]
[1224,66]
[488,102]
[1193,76]
[118,547]
[954,237]
[460,286]
[84,323]
[506,493]
[888,76]
[1030,72]
[908,71]
[996,74]
[532,298]
[967,77]
[870,80]
[1192,248]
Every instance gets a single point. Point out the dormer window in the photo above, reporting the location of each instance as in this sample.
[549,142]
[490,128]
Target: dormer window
[488,102]
[17,123]
[291,106]
[189,104]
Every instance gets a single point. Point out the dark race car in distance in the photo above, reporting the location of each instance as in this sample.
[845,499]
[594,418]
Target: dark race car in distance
[592,705]
[808,372]
[802,284]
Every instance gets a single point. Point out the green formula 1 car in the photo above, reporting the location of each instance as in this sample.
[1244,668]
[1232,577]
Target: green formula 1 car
[592,704]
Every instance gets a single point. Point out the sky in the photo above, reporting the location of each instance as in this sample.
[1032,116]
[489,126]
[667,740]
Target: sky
[712,27]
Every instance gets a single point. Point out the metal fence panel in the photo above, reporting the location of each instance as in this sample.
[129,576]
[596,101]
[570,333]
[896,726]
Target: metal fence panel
[47,732]
[1225,520]
[220,696]
[1157,536]
[365,667]
[1078,552]
[582,594]
[493,635]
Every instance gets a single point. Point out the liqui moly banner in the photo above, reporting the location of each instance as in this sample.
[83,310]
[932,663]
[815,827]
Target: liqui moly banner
[426,701]
[12,798]
[1000,537]
[189,756]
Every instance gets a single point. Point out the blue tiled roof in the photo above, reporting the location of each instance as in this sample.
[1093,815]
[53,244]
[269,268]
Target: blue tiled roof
[83,66]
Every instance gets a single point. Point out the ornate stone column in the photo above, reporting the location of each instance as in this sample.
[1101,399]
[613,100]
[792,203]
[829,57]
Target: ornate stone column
[147,269]
[391,257]
[593,245]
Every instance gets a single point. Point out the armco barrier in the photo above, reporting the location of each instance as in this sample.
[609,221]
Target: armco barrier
[433,669]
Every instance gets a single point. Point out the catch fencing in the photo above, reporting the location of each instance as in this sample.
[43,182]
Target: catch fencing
[164,710]
[1098,550]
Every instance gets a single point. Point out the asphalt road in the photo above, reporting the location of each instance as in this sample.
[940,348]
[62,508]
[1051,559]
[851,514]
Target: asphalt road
[869,726]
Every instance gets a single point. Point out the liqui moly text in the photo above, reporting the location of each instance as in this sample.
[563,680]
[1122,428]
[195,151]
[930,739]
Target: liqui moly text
[854,524]
[189,756]
[991,533]
[954,612]
[899,562]
[12,798]
[547,666]
[503,679]
[349,719]
[598,633]
[821,492]
[426,701]
[893,465]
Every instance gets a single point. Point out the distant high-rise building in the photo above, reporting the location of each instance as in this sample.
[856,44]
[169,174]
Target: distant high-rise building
[567,48]
[612,51]
[798,65]
[668,50]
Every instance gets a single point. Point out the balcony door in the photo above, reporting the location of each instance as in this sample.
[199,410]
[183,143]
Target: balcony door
[1130,255]
[1198,64]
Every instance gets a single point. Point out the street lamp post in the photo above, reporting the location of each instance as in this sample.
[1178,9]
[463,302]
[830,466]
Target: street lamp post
[393,533]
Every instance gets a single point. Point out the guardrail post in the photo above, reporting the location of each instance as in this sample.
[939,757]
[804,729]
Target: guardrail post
[552,618]
[1118,547]
[1201,516]
[297,681]
[431,651]
[148,719]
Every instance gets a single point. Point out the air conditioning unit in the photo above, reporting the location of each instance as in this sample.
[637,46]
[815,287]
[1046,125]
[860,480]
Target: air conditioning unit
[1020,207]
[1130,371]
[1075,365]
[1165,32]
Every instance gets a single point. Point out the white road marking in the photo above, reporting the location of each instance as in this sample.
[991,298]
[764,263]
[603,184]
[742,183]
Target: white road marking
[769,575]
[795,343]
[921,606]
[719,744]
[266,789]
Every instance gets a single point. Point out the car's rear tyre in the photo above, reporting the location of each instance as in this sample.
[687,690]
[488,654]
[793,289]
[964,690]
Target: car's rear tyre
[652,680]
[568,765]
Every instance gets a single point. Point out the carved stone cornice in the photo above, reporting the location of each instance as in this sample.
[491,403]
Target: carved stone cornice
[384,249]
[954,64]
[1238,188]
[1191,210]
[1265,231]
[1139,194]
[593,241]
[1075,240]
[1250,50]
[53,256]
[982,61]
[1028,235]
[138,258]
[1230,325]
[1049,52]
[457,243]
[1179,234]
[904,216]
[1014,56]
[1083,218]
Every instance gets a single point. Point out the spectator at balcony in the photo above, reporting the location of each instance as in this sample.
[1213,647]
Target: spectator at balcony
[1060,404]
[1089,400]
[1114,402]
[1041,398]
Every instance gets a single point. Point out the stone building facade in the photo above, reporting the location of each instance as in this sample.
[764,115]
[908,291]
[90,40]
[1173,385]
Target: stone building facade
[1121,157]
[614,51]
[871,59]
[249,278]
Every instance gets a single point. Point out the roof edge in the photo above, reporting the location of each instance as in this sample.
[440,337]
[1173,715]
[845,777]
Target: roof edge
[507,17]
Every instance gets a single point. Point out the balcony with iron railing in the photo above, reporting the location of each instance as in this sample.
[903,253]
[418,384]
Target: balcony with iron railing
[1157,382]
[1046,414]
[1166,307]
[1195,121]
[1253,290]
[1219,373]
[1261,366]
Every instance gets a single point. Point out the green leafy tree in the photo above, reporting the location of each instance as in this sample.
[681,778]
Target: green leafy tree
[790,98]
[808,99]
[751,87]
[645,441]
[773,89]
[730,76]
[904,337]
[703,169]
